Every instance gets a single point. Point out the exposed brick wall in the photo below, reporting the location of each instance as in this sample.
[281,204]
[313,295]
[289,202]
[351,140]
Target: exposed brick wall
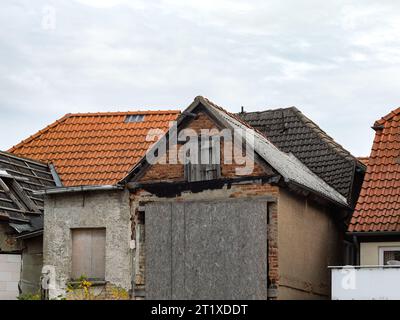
[175,172]
[273,262]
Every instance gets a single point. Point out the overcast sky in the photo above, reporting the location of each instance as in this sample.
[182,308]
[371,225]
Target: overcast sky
[337,61]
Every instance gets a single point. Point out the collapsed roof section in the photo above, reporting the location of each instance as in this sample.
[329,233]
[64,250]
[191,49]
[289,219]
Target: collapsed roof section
[19,179]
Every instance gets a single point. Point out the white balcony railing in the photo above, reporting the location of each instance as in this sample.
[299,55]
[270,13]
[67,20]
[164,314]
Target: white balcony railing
[366,283]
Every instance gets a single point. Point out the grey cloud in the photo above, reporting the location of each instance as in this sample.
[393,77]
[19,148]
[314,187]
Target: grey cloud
[335,60]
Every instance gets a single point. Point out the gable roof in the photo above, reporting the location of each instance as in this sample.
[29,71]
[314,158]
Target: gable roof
[19,179]
[291,131]
[94,148]
[287,165]
[378,207]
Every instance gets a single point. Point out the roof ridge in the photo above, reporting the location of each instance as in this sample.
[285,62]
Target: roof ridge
[245,123]
[268,110]
[88,114]
[388,117]
[112,113]
[40,132]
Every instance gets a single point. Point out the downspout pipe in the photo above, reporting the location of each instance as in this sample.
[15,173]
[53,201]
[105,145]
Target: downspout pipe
[357,253]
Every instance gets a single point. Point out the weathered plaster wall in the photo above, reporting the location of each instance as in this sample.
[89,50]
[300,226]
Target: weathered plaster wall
[107,209]
[8,243]
[369,252]
[309,241]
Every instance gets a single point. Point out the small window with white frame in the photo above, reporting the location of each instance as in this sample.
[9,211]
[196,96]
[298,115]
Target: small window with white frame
[389,256]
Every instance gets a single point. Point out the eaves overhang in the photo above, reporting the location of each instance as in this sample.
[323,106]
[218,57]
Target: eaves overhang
[75,189]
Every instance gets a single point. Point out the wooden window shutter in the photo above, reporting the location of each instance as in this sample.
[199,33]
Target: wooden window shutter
[208,166]
[88,253]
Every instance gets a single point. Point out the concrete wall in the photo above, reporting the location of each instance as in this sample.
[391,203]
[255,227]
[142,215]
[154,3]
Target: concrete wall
[107,209]
[369,252]
[308,242]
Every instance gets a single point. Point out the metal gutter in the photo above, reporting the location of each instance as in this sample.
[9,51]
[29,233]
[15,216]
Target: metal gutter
[60,190]
[55,175]
[365,267]
[30,234]
[374,233]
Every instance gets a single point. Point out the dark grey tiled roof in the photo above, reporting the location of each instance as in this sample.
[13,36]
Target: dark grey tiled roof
[293,132]
[19,178]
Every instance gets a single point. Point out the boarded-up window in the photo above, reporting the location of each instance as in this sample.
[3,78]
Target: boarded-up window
[88,253]
[207,166]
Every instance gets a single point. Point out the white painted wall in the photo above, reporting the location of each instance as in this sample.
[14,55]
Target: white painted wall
[369,252]
[366,283]
[10,270]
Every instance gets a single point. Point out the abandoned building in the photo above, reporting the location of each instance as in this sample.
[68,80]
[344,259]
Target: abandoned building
[21,223]
[193,230]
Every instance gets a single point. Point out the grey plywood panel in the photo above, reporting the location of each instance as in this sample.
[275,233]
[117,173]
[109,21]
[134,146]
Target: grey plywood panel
[158,251]
[178,251]
[253,252]
[207,250]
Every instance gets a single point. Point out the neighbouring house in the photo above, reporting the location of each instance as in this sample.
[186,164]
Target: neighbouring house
[21,223]
[375,224]
[213,210]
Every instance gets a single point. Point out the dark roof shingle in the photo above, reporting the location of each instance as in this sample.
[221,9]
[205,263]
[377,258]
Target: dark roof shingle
[291,131]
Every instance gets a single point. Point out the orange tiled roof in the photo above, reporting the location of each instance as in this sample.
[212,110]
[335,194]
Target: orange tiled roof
[378,207]
[94,148]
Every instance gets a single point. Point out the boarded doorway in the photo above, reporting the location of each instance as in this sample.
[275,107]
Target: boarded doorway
[206,250]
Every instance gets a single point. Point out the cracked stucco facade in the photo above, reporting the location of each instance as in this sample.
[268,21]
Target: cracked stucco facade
[109,210]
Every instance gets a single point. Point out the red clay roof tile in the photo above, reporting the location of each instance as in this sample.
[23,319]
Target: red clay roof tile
[378,207]
[94,148]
